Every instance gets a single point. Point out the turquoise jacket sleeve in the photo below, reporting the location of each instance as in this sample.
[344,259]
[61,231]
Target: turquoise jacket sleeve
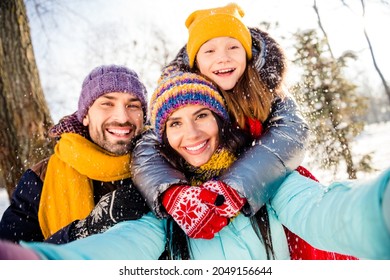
[142,239]
[346,217]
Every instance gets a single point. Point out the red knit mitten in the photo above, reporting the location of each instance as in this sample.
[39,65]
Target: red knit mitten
[233,201]
[193,210]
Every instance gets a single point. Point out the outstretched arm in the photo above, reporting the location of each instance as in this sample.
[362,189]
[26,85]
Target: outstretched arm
[142,239]
[346,217]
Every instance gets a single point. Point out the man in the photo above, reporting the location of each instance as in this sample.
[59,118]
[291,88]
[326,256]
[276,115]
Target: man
[58,194]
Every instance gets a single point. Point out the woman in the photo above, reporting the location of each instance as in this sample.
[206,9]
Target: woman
[193,129]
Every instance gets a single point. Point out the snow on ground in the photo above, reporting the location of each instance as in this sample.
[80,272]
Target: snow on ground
[375,138]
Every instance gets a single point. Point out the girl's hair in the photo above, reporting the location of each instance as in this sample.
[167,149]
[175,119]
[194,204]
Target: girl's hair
[250,97]
[235,140]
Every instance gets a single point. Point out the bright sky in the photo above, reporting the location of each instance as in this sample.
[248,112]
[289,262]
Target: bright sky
[64,61]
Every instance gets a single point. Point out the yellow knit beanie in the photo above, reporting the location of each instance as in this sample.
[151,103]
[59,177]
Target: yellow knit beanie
[204,25]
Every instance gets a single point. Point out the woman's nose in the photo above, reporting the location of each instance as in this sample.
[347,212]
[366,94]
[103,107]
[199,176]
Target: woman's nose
[192,130]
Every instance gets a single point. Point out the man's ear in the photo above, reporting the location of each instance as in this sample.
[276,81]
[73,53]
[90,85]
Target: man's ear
[86,120]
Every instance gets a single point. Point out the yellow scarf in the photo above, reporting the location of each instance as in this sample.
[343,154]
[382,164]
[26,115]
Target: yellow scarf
[67,192]
[219,161]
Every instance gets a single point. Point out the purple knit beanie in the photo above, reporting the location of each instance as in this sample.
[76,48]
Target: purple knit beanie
[110,78]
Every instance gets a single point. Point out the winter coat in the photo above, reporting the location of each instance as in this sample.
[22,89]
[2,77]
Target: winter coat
[346,217]
[20,219]
[258,173]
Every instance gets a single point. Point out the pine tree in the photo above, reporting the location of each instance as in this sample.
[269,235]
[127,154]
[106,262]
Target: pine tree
[330,104]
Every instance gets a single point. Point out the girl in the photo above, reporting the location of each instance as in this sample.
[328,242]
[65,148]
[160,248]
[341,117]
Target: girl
[193,129]
[249,67]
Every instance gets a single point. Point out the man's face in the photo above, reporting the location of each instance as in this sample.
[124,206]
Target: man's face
[113,120]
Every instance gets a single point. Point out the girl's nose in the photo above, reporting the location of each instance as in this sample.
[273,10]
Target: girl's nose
[223,56]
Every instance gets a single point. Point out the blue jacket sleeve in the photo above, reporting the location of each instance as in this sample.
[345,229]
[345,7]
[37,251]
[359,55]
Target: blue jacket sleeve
[20,219]
[345,217]
[142,239]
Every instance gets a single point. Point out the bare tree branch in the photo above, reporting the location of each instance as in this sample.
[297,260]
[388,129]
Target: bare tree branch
[322,27]
[378,70]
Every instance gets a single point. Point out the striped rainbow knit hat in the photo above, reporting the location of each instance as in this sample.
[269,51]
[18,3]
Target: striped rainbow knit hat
[183,89]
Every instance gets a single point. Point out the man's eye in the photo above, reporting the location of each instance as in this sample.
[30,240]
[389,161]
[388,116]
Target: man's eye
[134,106]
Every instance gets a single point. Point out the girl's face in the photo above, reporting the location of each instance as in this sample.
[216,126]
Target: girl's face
[192,131]
[223,60]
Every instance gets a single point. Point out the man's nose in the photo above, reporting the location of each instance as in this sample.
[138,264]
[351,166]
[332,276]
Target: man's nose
[121,114]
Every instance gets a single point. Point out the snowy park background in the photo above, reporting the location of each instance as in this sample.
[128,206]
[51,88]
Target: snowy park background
[66,48]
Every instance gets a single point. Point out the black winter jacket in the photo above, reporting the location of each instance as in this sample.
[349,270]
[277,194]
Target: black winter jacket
[20,219]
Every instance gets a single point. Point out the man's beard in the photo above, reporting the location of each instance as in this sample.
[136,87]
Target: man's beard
[119,148]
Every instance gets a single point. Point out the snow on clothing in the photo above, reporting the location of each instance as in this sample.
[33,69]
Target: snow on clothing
[63,189]
[347,217]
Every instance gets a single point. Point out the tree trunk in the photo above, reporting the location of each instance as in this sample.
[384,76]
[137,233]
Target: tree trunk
[24,115]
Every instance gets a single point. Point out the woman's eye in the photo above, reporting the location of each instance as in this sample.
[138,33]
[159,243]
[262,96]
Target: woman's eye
[173,124]
[202,115]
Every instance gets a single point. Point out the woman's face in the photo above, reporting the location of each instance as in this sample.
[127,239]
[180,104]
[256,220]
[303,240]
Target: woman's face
[192,131]
[223,60]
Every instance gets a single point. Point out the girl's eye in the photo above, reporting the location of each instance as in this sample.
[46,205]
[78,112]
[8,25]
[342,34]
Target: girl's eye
[209,51]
